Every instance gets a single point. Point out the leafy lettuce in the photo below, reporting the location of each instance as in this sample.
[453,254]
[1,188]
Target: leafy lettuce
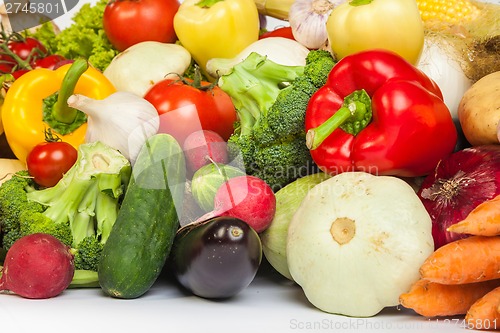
[85,38]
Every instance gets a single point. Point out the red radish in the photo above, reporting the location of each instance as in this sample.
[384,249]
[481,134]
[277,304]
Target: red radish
[203,147]
[37,266]
[248,198]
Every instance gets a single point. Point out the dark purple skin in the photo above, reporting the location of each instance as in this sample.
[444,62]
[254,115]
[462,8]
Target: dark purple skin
[217,258]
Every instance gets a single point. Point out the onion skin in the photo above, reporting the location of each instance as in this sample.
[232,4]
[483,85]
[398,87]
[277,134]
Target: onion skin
[459,184]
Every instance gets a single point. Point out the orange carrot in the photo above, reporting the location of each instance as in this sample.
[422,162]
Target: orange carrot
[484,220]
[483,314]
[432,299]
[472,259]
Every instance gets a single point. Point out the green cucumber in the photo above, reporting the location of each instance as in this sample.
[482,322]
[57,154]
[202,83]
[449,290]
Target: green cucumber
[142,236]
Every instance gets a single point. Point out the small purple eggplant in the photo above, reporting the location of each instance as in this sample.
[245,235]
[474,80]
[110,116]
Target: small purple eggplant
[216,258]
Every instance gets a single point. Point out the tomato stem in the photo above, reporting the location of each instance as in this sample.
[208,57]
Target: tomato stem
[197,81]
[360,2]
[50,136]
[6,39]
[207,3]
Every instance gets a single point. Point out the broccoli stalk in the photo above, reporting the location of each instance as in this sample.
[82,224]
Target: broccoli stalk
[79,210]
[82,197]
[254,85]
[271,101]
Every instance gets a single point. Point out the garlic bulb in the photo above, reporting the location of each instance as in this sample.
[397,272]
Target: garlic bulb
[308,18]
[122,120]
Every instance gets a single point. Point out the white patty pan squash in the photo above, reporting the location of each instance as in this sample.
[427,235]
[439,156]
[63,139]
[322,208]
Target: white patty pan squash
[357,242]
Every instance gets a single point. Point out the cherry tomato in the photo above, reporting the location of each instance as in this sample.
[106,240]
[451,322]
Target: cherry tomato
[7,62]
[18,73]
[128,22]
[185,109]
[48,161]
[29,46]
[50,61]
[285,32]
[6,68]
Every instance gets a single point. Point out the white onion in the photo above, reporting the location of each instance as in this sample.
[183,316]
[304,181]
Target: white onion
[442,65]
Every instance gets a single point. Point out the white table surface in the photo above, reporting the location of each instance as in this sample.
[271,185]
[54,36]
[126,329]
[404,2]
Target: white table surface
[270,304]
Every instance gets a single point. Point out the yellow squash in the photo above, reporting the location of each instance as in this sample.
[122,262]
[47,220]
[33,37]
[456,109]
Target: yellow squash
[359,25]
[22,111]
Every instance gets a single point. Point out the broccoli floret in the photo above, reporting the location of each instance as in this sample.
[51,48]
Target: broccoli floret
[319,63]
[32,222]
[13,198]
[241,148]
[88,253]
[286,116]
[13,201]
[270,137]
[9,238]
[281,163]
[79,210]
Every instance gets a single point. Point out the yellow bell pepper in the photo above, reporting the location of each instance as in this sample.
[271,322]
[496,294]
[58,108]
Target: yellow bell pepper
[216,28]
[1,123]
[359,25]
[22,111]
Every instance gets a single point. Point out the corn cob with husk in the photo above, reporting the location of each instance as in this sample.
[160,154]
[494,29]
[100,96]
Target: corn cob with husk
[468,28]
[447,11]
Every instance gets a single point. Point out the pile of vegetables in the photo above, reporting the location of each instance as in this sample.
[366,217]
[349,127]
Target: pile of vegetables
[202,145]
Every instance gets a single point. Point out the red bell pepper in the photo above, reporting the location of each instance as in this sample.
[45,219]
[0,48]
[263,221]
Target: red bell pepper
[379,114]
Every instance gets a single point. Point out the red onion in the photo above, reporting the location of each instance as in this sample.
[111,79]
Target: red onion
[459,183]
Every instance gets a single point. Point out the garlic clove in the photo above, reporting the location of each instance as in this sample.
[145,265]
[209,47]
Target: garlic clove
[123,121]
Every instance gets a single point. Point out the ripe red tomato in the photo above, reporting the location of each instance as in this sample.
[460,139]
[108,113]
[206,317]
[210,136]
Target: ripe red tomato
[48,161]
[50,61]
[20,72]
[285,32]
[5,68]
[184,109]
[7,63]
[128,22]
[28,47]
